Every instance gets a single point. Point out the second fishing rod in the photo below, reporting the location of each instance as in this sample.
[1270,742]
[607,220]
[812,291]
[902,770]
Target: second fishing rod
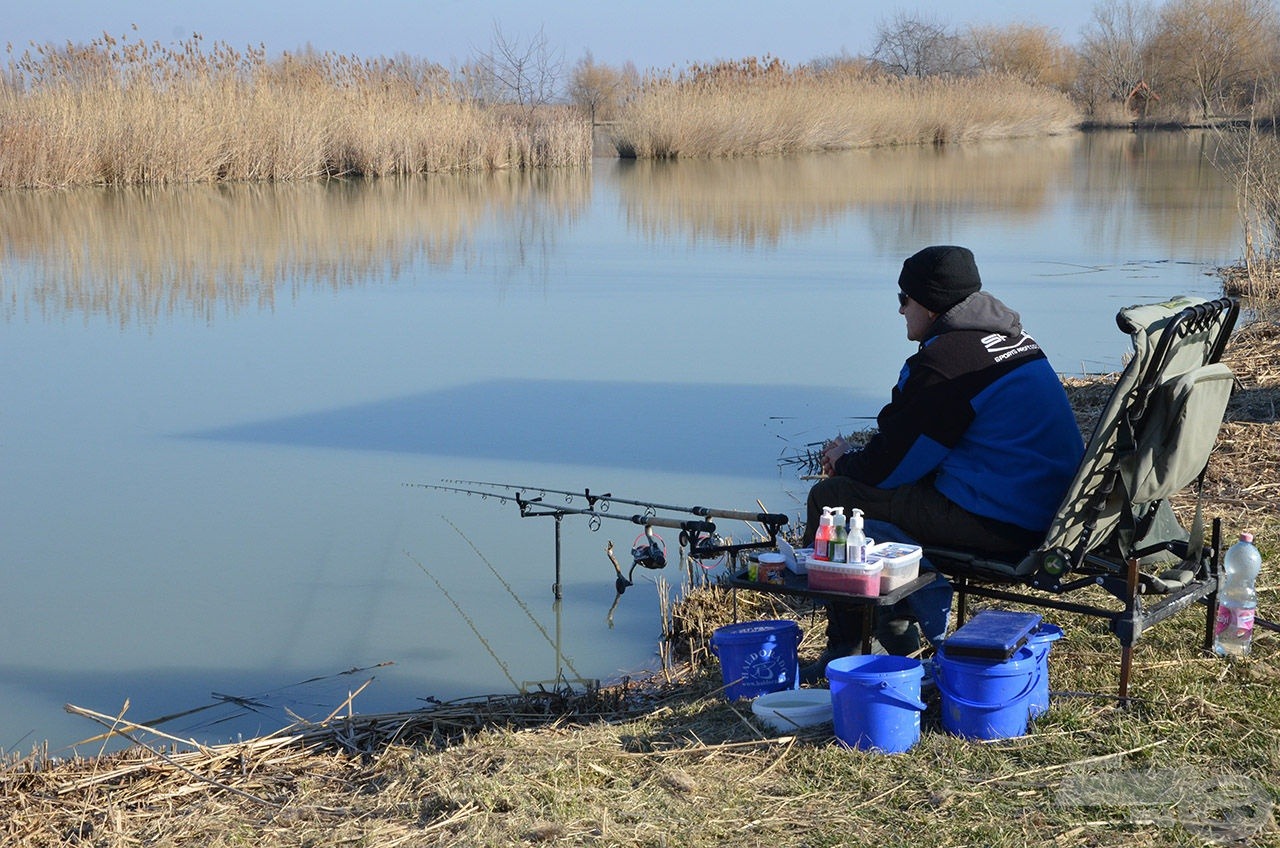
[766,518]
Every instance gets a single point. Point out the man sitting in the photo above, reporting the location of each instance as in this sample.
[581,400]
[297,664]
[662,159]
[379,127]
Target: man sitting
[974,450]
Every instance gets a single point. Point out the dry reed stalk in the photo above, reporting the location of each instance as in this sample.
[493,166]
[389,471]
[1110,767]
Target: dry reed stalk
[1251,159]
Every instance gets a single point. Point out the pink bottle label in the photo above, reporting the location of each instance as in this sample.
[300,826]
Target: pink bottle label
[1239,622]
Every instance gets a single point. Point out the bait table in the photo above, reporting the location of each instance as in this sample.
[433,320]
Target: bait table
[797,585]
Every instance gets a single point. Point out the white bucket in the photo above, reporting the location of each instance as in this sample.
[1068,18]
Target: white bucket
[792,709]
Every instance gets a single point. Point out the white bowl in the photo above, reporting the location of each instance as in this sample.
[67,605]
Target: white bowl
[792,709]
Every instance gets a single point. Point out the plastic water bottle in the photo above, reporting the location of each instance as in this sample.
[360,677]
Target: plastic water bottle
[1237,598]
[856,543]
[822,539]
[836,550]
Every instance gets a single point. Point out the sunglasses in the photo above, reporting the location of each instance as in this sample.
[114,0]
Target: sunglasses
[903,298]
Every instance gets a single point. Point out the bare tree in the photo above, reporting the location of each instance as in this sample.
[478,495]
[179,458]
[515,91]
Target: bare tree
[1035,54]
[1113,52]
[527,73]
[1215,51]
[915,46]
[598,88]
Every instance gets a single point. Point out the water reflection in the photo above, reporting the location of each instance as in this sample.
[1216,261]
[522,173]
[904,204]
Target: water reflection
[759,202]
[1123,181]
[1164,183]
[135,254]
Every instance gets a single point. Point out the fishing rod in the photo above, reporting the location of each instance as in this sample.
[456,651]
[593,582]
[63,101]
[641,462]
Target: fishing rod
[532,507]
[597,508]
[765,518]
[699,536]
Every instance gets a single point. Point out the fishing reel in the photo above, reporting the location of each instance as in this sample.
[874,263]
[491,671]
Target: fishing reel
[648,550]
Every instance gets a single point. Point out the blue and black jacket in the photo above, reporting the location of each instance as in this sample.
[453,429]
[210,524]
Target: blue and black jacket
[980,409]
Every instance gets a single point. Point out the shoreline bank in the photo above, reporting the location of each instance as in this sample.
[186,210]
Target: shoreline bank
[663,759]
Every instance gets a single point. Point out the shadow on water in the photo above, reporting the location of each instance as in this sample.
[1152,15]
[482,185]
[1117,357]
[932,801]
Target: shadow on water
[699,427]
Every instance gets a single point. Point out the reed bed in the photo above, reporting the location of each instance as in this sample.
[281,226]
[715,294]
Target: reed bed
[1250,158]
[127,112]
[746,109]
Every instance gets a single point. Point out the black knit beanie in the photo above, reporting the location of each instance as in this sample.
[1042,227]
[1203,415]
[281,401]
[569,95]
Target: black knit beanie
[939,277]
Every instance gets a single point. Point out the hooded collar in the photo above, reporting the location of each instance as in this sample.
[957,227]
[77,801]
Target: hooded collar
[978,311]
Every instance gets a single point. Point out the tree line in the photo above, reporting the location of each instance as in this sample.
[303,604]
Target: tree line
[1180,60]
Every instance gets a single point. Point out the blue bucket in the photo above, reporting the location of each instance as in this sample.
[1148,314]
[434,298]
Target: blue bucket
[758,657]
[1041,641]
[985,698]
[875,701]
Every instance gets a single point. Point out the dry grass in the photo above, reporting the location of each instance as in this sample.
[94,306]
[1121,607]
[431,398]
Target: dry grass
[1251,160]
[679,766]
[746,109]
[666,761]
[127,112]
[1243,480]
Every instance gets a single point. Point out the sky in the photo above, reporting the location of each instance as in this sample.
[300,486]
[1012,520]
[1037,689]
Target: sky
[656,34]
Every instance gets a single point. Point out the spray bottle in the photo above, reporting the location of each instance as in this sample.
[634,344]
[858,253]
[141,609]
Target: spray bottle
[822,540]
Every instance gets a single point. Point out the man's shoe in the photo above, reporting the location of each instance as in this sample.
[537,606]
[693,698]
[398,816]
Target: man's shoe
[813,672]
[817,670]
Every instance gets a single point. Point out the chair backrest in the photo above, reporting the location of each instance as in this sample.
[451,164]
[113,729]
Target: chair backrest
[1152,439]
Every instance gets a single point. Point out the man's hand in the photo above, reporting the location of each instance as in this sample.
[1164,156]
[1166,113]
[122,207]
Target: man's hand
[832,451]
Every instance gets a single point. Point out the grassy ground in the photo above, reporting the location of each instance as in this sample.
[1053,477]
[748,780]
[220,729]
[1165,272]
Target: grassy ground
[1192,761]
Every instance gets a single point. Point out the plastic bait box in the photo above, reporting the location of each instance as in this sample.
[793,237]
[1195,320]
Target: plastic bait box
[851,579]
[901,564]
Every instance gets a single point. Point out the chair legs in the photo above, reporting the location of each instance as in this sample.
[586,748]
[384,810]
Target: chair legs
[1129,634]
[962,602]
[1211,600]
[1126,624]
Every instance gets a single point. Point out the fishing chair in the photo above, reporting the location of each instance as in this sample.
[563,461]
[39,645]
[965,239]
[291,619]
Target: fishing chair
[1114,529]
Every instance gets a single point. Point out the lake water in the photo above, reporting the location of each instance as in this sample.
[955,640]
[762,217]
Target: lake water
[217,400]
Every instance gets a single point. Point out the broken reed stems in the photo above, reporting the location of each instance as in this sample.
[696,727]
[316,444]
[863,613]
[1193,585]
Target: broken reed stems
[112,723]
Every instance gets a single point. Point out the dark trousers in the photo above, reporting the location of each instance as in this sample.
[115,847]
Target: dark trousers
[922,512]
[924,516]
